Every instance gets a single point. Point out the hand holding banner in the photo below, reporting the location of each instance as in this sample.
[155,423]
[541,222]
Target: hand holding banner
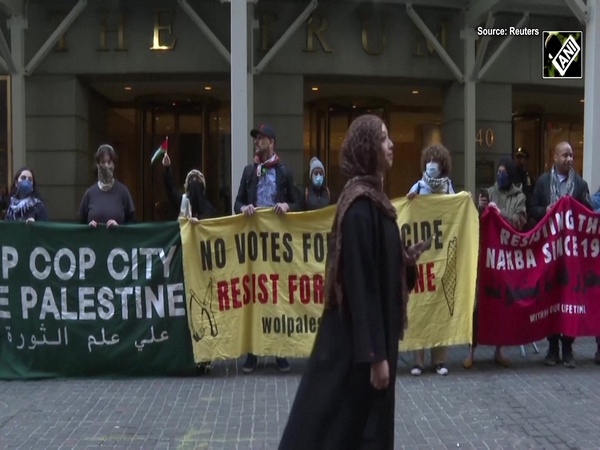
[255,284]
[543,282]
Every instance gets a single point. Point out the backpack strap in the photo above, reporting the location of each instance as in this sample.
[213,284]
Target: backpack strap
[418,187]
[306,195]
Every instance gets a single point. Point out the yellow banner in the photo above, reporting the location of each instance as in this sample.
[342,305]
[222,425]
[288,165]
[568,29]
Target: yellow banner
[255,284]
[440,309]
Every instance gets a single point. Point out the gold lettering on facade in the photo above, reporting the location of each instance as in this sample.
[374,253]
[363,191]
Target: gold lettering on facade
[440,35]
[312,30]
[486,137]
[365,37]
[120,33]
[265,31]
[156,43]
[61,45]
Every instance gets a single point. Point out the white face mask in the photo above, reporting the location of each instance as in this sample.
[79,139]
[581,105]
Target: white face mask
[432,169]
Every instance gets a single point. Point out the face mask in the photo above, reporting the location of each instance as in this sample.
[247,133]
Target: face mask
[195,186]
[317,180]
[106,174]
[25,188]
[502,180]
[432,169]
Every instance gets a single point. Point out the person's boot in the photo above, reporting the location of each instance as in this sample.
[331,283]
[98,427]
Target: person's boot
[552,356]
[250,364]
[567,356]
[282,365]
[203,368]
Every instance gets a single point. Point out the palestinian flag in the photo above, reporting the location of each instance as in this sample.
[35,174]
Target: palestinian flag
[160,151]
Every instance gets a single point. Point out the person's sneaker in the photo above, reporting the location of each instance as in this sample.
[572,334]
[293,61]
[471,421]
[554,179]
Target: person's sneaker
[551,358]
[415,371]
[468,362]
[441,369]
[568,359]
[501,360]
[203,368]
[250,364]
[597,358]
[282,364]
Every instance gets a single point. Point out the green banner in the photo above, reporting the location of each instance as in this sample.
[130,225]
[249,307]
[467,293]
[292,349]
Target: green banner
[79,301]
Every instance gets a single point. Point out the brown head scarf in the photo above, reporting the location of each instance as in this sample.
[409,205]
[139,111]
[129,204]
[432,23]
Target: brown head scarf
[358,161]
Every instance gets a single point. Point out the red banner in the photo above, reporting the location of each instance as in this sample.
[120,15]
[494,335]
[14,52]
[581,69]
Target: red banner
[547,281]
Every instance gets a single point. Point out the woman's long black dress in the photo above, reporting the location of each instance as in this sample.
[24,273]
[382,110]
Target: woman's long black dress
[336,406]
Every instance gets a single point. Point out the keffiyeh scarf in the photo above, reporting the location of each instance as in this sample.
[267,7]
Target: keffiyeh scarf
[19,209]
[437,185]
[555,185]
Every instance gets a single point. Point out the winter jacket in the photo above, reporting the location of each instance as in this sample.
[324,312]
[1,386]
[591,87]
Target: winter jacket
[541,195]
[512,204]
[287,191]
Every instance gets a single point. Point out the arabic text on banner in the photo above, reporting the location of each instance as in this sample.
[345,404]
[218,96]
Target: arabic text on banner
[79,301]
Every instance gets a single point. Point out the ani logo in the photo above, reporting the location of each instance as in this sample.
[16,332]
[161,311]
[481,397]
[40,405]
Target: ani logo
[562,53]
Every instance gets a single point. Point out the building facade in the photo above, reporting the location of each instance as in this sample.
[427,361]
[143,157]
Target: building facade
[79,73]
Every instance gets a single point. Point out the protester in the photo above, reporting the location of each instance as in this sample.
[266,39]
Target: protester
[561,180]
[24,202]
[507,198]
[526,181]
[108,201]
[595,201]
[316,195]
[346,396]
[436,166]
[266,183]
[522,175]
[192,204]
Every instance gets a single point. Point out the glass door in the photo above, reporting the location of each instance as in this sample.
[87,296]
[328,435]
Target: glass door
[331,127]
[527,134]
[184,125]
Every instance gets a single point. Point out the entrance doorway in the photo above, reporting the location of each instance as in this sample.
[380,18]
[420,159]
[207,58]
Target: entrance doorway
[410,129]
[186,127]
[331,123]
[198,136]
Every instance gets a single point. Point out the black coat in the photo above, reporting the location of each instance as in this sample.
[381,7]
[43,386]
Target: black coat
[316,198]
[287,191]
[336,406]
[208,210]
[541,195]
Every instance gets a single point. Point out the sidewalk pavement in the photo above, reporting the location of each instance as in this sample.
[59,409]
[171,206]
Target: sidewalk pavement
[527,406]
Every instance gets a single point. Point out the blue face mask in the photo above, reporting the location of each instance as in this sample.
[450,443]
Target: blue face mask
[25,188]
[502,180]
[317,180]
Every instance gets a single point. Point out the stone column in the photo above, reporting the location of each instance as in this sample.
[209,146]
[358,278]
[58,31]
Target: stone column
[493,133]
[279,101]
[57,142]
[591,114]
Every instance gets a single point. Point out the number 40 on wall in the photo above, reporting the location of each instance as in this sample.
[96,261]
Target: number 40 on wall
[485,137]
